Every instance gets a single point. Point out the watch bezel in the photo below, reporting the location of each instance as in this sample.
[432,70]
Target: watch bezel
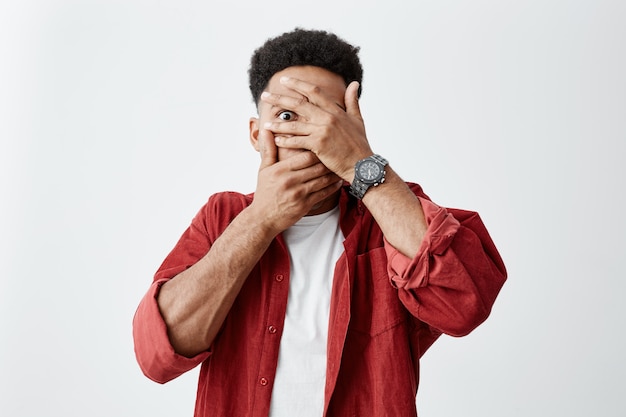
[360,185]
[381,170]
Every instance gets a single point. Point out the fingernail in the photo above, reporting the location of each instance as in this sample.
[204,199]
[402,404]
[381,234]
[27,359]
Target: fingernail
[265,94]
[284,79]
[267,125]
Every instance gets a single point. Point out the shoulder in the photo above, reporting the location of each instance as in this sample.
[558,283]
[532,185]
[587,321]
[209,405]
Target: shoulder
[227,203]
[221,208]
[229,200]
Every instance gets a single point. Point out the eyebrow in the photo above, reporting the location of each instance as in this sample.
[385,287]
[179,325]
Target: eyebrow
[275,107]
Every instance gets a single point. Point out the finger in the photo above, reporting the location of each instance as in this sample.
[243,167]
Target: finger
[267,148]
[322,188]
[288,128]
[294,142]
[305,160]
[300,105]
[313,93]
[352,99]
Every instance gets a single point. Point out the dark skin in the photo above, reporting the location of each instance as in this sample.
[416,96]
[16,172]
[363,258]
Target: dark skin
[309,134]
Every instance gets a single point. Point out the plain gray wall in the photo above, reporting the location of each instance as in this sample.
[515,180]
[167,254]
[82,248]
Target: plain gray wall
[119,118]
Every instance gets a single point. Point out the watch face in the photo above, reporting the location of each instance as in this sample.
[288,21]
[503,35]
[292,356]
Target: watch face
[369,170]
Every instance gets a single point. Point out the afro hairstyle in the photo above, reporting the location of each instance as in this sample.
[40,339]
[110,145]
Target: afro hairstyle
[303,47]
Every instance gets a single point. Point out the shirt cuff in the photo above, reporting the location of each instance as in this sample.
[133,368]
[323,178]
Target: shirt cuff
[155,354]
[408,273]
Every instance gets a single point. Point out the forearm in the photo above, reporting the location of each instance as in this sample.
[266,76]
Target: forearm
[195,303]
[398,212]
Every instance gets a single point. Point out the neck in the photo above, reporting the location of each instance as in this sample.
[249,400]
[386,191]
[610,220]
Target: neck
[325,205]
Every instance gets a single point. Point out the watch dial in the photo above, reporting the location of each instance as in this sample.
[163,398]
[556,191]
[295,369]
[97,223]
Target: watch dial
[369,170]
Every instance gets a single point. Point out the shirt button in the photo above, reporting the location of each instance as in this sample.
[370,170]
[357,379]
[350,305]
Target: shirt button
[279,277]
[272,329]
[263,381]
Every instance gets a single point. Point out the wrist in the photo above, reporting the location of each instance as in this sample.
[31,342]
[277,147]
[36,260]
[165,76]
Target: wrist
[257,219]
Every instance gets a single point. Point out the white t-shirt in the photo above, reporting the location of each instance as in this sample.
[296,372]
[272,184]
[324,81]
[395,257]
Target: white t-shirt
[315,243]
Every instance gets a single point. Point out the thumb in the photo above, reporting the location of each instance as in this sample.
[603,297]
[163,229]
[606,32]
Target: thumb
[267,148]
[352,99]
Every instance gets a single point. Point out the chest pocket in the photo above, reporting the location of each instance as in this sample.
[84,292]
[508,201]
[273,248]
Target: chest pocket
[376,307]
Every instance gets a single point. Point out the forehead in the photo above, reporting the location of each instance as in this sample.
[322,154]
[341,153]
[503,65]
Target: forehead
[330,83]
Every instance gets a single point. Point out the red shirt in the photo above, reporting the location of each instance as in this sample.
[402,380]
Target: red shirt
[386,311]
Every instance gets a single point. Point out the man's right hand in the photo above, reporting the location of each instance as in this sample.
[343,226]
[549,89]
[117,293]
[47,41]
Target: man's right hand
[289,189]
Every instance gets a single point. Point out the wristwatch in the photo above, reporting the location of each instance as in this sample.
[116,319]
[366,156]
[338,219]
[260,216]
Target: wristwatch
[368,172]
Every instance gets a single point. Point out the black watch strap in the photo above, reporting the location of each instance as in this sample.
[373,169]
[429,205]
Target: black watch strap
[358,188]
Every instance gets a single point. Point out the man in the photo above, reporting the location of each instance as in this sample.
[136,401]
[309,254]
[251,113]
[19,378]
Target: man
[318,294]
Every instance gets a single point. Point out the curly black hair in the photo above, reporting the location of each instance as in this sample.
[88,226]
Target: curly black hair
[303,47]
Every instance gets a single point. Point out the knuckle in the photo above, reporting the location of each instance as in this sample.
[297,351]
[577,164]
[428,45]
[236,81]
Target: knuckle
[320,169]
[332,120]
[301,101]
[299,193]
[308,157]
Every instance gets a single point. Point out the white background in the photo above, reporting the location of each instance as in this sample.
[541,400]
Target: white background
[119,118]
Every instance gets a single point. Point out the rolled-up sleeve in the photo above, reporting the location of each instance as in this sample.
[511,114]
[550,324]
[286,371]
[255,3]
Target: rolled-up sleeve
[155,354]
[452,282]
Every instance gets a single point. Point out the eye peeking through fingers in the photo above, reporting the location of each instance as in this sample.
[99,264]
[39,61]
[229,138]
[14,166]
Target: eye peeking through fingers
[287,115]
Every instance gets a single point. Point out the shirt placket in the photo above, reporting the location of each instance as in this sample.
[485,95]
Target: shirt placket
[276,275]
